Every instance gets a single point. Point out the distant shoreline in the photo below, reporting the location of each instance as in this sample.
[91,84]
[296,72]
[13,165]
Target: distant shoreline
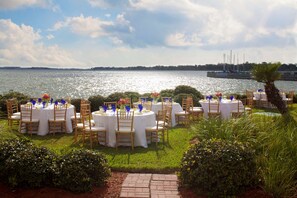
[208,67]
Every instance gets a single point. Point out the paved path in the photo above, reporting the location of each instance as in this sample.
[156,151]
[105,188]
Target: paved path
[150,185]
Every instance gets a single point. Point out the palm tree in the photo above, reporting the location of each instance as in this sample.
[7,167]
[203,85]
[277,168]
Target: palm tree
[268,73]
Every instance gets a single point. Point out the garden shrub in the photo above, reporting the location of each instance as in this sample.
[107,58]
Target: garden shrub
[23,164]
[22,98]
[167,93]
[178,99]
[133,95]
[220,168]
[79,170]
[185,89]
[96,101]
[76,103]
[115,96]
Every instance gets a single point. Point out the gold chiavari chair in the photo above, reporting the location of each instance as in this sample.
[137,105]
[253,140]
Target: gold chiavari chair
[195,112]
[214,109]
[92,132]
[13,114]
[58,123]
[157,132]
[240,110]
[27,123]
[183,117]
[110,104]
[125,127]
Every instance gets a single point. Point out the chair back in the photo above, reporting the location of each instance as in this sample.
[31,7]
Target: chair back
[143,100]
[291,95]
[110,104]
[26,112]
[12,106]
[185,104]
[148,105]
[168,115]
[240,106]
[166,101]
[161,117]
[213,107]
[60,112]
[125,120]
[86,116]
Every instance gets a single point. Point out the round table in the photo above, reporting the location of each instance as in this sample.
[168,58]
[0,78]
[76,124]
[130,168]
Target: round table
[44,114]
[158,106]
[141,121]
[226,107]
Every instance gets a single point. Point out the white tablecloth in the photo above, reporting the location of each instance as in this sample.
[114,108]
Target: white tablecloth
[175,108]
[262,96]
[226,107]
[44,114]
[141,121]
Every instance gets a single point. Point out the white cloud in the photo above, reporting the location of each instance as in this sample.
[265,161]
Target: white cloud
[50,37]
[15,4]
[21,45]
[95,27]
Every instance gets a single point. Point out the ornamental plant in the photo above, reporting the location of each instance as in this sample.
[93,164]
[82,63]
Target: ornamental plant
[155,95]
[218,167]
[46,97]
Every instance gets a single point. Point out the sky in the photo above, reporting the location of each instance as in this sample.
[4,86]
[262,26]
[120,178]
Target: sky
[89,33]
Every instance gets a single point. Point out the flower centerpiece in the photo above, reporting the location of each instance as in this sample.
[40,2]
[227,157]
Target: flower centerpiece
[219,96]
[122,102]
[155,96]
[46,97]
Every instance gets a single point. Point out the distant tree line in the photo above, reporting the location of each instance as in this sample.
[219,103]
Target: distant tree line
[208,67]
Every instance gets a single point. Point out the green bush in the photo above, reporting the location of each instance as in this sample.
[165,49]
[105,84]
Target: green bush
[178,98]
[185,89]
[79,170]
[22,99]
[220,168]
[76,103]
[167,93]
[23,164]
[134,95]
[96,101]
[116,96]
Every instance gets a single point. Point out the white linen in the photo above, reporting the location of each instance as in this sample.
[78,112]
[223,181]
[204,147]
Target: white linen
[262,96]
[175,109]
[226,107]
[44,114]
[109,121]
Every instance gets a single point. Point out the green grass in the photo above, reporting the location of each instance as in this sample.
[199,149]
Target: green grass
[164,158]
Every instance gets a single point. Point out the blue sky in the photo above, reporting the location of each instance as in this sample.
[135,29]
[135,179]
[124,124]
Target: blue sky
[88,33]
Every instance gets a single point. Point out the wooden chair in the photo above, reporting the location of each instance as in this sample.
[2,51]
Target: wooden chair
[240,110]
[157,132]
[89,131]
[195,112]
[58,123]
[214,109]
[27,123]
[125,127]
[78,129]
[110,104]
[183,116]
[290,98]
[142,100]
[166,101]
[13,114]
[148,105]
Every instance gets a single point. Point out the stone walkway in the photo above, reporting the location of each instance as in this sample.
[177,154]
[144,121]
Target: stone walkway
[150,185]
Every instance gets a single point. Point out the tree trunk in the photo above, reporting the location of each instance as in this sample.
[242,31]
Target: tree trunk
[275,98]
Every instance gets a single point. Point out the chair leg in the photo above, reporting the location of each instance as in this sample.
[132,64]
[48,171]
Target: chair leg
[116,140]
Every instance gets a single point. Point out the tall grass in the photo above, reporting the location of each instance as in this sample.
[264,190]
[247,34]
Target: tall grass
[275,142]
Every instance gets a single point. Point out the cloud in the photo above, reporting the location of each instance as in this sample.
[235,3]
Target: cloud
[95,27]
[50,36]
[15,4]
[21,45]
[109,3]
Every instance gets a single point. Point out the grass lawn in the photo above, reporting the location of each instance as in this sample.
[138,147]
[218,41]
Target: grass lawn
[164,158]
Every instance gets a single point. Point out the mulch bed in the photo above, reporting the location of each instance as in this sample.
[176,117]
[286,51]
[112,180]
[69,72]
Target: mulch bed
[111,190]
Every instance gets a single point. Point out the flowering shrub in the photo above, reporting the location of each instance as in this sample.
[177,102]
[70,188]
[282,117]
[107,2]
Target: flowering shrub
[155,95]
[46,97]
[218,94]
[220,168]
[122,101]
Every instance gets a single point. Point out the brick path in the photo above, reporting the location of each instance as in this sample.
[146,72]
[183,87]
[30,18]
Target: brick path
[150,185]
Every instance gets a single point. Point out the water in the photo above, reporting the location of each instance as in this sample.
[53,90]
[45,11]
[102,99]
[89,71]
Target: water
[82,84]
